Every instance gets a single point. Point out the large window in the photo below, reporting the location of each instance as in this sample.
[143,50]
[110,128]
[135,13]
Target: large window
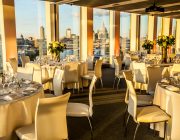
[69,31]
[143,29]
[174,27]
[125,31]
[159,26]
[101,33]
[30,28]
[159,32]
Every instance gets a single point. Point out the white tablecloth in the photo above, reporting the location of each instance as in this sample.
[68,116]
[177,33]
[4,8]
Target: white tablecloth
[83,69]
[170,102]
[17,113]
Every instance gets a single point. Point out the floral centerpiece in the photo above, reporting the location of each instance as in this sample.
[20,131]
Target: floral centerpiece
[148,45]
[55,48]
[165,42]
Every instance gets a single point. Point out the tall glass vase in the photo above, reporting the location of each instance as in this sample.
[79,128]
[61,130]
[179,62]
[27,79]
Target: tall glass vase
[164,54]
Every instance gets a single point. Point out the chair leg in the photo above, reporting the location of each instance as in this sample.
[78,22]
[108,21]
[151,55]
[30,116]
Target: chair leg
[82,83]
[165,123]
[137,126]
[125,133]
[91,127]
[101,82]
[118,82]
[114,82]
[124,122]
[78,87]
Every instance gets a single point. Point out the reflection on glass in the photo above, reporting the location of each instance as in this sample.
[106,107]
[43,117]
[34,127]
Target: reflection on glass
[174,27]
[69,31]
[30,28]
[124,32]
[101,34]
[159,32]
[143,29]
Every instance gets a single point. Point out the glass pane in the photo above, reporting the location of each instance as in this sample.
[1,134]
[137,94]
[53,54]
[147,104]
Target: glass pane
[159,26]
[69,31]
[143,29]
[125,19]
[101,34]
[30,28]
[174,27]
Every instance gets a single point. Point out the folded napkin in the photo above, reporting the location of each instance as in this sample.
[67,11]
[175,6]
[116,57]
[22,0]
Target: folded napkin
[30,89]
[172,88]
[7,98]
[27,82]
[164,81]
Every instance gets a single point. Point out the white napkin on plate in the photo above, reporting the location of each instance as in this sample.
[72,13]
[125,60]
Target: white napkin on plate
[30,88]
[165,81]
[7,98]
[172,88]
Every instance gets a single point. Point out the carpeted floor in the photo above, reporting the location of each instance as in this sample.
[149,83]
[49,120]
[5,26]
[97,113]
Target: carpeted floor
[108,111]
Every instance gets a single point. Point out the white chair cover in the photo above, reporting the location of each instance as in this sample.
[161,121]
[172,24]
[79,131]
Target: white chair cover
[57,81]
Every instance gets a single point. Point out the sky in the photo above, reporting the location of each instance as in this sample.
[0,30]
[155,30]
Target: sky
[30,15]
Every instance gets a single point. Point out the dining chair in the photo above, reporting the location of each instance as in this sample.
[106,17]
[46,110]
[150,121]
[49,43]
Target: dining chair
[25,73]
[24,59]
[40,74]
[139,73]
[147,114]
[14,64]
[83,110]
[97,72]
[175,69]
[153,76]
[118,71]
[50,120]
[142,100]
[57,81]
[71,75]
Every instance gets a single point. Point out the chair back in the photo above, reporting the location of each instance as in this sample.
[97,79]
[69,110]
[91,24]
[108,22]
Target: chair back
[37,75]
[25,73]
[71,72]
[90,94]
[50,118]
[97,68]
[24,60]
[154,75]
[90,61]
[132,104]
[9,68]
[128,76]
[57,81]
[175,69]
[14,64]
[139,72]
[118,65]
[165,72]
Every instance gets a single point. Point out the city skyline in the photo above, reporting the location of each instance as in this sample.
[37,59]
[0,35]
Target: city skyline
[29,25]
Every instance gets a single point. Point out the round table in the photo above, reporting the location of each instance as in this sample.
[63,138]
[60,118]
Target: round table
[169,101]
[18,108]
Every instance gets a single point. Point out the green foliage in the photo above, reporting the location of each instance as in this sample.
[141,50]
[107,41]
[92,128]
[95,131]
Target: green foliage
[148,44]
[166,41]
[56,47]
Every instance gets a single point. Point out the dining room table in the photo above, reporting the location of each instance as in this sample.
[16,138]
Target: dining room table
[167,97]
[17,106]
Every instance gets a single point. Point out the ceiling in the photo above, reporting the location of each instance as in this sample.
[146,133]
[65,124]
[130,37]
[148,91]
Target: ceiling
[172,7]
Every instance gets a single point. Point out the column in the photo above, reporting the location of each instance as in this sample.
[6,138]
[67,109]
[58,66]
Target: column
[7,15]
[112,36]
[151,28]
[165,26]
[178,36]
[133,25]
